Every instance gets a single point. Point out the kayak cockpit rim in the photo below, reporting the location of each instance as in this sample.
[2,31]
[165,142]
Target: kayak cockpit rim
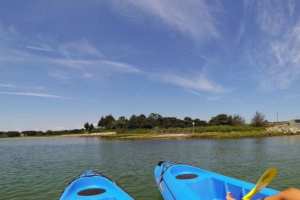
[91,192]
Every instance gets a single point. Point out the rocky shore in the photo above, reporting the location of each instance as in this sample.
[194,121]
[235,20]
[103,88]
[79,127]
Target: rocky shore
[286,129]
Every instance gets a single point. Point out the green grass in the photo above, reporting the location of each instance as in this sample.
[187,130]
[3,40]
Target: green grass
[222,129]
[207,135]
[216,132]
[197,132]
[202,129]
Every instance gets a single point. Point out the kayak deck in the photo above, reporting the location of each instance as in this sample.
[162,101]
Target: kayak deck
[93,186]
[179,181]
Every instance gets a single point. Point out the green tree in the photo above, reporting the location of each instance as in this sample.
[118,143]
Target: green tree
[91,128]
[258,120]
[188,122]
[3,134]
[199,122]
[121,123]
[154,120]
[107,122]
[238,120]
[221,119]
[133,122]
[86,126]
[13,134]
[33,133]
[101,122]
[172,122]
[141,121]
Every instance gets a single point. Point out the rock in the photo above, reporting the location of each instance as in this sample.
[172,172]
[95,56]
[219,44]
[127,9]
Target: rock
[286,129]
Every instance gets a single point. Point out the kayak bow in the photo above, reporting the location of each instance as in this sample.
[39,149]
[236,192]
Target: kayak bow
[186,182]
[93,186]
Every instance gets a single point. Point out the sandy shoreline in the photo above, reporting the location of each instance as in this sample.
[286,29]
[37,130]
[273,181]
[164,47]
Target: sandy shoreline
[90,134]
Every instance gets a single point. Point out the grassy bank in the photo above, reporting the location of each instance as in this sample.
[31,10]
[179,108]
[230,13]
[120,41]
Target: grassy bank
[216,132]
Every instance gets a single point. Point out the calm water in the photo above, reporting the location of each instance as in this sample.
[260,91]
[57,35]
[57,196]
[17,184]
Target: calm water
[40,168]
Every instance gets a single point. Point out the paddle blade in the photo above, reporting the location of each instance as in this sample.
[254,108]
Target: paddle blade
[266,178]
[263,181]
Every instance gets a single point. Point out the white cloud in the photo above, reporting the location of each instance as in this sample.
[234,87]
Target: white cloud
[87,75]
[59,75]
[81,59]
[7,85]
[196,84]
[283,64]
[192,17]
[73,63]
[78,49]
[278,46]
[32,94]
[99,64]
[23,87]
[78,55]
[274,16]
[121,66]
[82,54]
[40,48]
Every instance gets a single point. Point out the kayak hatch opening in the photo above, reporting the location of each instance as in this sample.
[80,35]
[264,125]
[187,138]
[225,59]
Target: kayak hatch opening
[186,176]
[91,192]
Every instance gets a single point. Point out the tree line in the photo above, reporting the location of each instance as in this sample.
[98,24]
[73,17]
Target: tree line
[152,121]
[39,133]
[155,120]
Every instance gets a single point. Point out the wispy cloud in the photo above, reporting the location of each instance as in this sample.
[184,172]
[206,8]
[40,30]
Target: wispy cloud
[62,75]
[278,47]
[77,55]
[274,16]
[192,17]
[79,49]
[87,75]
[7,85]
[121,66]
[82,54]
[87,65]
[72,63]
[59,75]
[32,94]
[99,66]
[40,48]
[196,84]
[81,59]
[283,65]
[22,87]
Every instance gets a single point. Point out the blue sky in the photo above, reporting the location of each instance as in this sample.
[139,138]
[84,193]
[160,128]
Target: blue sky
[69,61]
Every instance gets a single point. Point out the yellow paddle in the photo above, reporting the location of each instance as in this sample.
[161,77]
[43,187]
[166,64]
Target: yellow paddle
[263,181]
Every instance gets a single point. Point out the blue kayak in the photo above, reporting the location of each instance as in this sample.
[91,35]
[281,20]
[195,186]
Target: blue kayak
[186,182]
[94,186]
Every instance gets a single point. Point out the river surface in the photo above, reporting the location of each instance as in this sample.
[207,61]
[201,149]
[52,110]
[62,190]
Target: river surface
[40,168]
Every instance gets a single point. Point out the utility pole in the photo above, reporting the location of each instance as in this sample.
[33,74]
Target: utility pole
[277,116]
